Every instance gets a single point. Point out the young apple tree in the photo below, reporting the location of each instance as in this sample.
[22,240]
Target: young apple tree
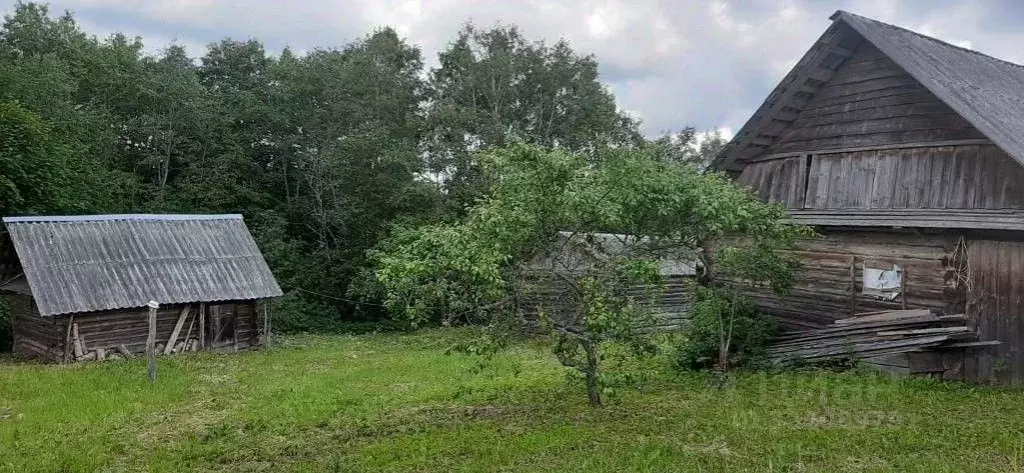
[536,226]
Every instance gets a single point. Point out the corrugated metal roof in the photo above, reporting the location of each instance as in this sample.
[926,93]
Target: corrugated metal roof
[116,217]
[88,263]
[985,91]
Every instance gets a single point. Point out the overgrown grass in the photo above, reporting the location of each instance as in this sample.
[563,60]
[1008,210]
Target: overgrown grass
[397,403]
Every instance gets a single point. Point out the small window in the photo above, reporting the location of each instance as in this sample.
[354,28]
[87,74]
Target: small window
[883,283]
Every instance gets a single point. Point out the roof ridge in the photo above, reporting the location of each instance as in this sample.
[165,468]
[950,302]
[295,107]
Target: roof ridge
[121,217]
[841,13]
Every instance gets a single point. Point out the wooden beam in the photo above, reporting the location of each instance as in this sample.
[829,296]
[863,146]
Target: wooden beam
[79,346]
[929,144]
[853,285]
[188,334]
[904,218]
[202,325]
[177,330]
[68,340]
[254,322]
[266,323]
[981,344]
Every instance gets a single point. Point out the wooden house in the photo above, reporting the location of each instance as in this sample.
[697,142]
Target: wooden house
[543,287]
[79,286]
[906,153]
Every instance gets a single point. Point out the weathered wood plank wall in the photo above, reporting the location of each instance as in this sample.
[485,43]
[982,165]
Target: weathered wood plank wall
[995,307]
[874,138]
[872,101]
[937,177]
[946,177]
[34,336]
[44,337]
[825,290]
[780,180]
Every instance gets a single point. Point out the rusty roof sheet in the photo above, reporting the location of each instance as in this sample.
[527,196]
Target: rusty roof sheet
[103,262]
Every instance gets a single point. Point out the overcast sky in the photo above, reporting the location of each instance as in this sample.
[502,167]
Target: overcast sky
[672,63]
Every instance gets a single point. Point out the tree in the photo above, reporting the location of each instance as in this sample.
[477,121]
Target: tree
[32,178]
[471,269]
[494,87]
[689,147]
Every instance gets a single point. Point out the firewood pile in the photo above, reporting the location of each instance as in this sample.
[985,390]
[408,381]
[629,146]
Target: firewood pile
[875,334]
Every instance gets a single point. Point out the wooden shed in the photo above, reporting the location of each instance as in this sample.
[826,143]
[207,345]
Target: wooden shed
[539,290]
[907,154]
[79,286]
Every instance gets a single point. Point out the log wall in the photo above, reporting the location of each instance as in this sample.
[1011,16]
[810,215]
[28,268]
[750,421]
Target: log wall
[672,301]
[34,336]
[873,138]
[45,338]
[829,283]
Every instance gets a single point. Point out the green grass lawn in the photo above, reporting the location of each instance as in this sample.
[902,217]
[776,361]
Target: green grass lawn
[397,403]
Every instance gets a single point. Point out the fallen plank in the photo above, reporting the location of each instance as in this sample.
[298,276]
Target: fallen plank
[846,341]
[879,324]
[125,352]
[924,331]
[979,344]
[862,349]
[852,332]
[884,316]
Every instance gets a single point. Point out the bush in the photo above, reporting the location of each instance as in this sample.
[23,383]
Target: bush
[751,332]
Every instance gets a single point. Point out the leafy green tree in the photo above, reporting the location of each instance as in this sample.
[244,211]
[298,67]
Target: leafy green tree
[687,146]
[473,268]
[32,178]
[494,87]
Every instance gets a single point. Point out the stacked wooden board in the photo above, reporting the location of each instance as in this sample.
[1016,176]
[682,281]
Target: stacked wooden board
[875,335]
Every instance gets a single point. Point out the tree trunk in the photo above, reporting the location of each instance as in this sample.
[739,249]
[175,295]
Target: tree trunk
[593,390]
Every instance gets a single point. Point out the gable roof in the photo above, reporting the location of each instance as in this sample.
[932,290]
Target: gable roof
[103,262]
[985,91]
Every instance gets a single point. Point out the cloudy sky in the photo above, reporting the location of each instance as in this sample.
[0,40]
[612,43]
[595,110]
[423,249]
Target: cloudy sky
[673,63]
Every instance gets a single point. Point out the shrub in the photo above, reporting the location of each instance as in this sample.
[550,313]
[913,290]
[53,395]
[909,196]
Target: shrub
[713,312]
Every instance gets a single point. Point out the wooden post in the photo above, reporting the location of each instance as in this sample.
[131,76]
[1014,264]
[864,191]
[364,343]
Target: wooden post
[903,288]
[67,339]
[254,325]
[79,346]
[853,286]
[234,327]
[151,341]
[215,325]
[266,324]
[202,325]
